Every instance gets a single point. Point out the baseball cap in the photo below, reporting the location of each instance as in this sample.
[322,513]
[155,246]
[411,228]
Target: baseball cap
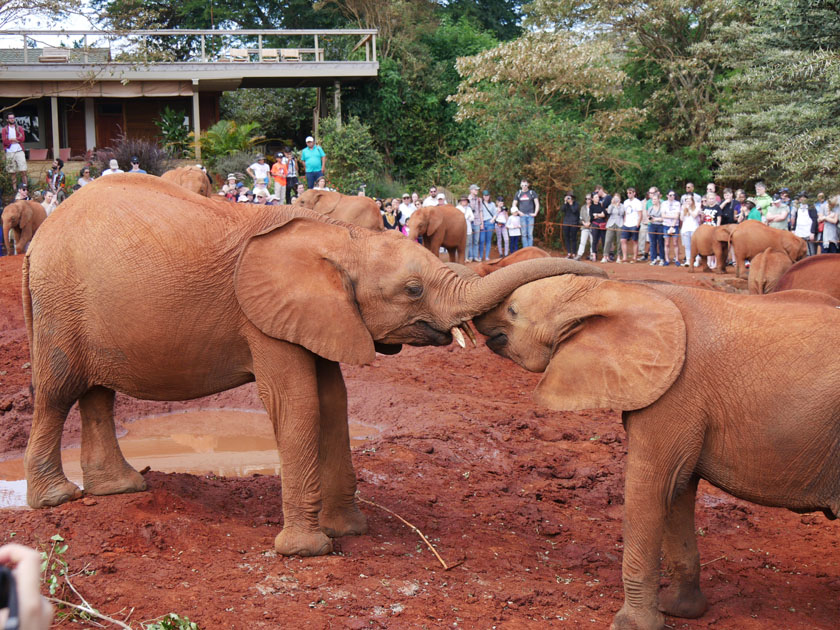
[499,198]
[231,176]
[310,139]
[278,155]
[260,156]
[406,196]
[473,186]
[113,165]
[135,159]
[777,200]
[486,193]
[440,196]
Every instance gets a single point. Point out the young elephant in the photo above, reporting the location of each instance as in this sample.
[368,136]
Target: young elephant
[711,240]
[773,445]
[751,238]
[185,296]
[815,273]
[361,211]
[440,226]
[766,269]
[22,218]
[192,178]
[527,253]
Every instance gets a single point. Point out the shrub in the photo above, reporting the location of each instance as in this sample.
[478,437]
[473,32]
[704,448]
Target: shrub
[352,159]
[225,138]
[177,139]
[153,157]
[234,163]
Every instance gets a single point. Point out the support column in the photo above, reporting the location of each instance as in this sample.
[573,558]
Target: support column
[337,103]
[55,141]
[90,125]
[196,121]
[316,113]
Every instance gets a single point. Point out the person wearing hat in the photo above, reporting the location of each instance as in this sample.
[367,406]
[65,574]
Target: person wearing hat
[135,165]
[260,196]
[487,211]
[291,174]
[278,173]
[229,190]
[571,223]
[314,161]
[245,195]
[441,199]
[406,209]
[113,167]
[777,214]
[762,202]
[464,207]
[259,171]
[806,222]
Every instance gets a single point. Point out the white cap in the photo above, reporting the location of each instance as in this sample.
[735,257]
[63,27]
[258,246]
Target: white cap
[113,165]
[473,186]
[441,196]
[310,139]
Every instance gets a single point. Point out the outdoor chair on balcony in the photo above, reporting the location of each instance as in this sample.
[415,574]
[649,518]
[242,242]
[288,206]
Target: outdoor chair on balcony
[54,55]
[269,54]
[238,54]
[289,54]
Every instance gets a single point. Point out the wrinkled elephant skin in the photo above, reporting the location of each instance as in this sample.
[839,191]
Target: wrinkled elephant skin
[766,269]
[440,226]
[654,351]
[361,211]
[815,273]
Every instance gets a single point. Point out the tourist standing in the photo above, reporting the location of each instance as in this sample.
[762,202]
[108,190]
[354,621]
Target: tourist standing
[526,205]
[314,161]
[13,138]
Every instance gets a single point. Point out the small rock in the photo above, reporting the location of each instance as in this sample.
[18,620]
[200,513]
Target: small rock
[89,501]
[26,365]
[429,450]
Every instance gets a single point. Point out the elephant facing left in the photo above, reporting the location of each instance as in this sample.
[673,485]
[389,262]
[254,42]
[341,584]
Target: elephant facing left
[187,296]
[22,218]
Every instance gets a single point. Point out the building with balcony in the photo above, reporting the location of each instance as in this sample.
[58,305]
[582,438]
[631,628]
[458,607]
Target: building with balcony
[72,100]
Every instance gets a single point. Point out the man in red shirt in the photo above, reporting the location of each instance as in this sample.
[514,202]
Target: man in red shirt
[13,137]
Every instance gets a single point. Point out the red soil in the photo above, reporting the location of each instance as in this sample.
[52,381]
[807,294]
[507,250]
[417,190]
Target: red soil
[530,500]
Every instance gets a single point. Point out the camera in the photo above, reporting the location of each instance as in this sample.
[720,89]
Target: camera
[8,597]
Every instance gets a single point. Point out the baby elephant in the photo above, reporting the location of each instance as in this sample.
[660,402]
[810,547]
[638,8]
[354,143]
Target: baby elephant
[773,445]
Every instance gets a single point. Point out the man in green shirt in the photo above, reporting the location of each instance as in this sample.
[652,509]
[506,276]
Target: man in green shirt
[761,200]
[314,160]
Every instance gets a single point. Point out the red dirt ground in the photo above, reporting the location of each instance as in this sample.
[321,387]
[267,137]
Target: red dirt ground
[532,501]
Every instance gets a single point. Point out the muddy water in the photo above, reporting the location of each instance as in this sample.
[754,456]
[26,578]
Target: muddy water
[227,443]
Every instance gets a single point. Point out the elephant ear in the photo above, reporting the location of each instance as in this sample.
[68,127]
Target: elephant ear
[617,345]
[25,216]
[794,247]
[435,221]
[290,286]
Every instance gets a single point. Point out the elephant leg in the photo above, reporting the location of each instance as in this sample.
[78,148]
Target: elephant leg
[719,254]
[740,265]
[287,384]
[435,242]
[453,254]
[340,516]
[104,469]
[683,597]
[46,484]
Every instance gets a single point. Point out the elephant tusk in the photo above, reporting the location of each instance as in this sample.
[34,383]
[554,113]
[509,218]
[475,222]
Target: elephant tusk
[459,336]
[465,326]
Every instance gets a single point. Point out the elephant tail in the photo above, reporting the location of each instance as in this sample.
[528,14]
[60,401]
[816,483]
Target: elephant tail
[27,312]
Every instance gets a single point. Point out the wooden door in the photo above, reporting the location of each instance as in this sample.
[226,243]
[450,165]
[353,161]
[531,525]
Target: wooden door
[110,123]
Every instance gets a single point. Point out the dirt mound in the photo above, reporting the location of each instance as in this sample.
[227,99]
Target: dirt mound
[530,500]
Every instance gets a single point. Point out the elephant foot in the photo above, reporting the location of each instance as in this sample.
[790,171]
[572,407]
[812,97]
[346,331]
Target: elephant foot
[347,522]
[638,619]
[120,481]
[294,542]
[686,602]
[50,495]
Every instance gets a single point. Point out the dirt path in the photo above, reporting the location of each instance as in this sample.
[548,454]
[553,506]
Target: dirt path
[531,500]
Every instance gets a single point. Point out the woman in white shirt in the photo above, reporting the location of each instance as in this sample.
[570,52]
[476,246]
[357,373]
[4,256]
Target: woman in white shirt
[688,214]
[671,226]
[630,226]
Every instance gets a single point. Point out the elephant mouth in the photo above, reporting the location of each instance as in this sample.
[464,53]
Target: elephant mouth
[497,342]
[419,333]
[387,348]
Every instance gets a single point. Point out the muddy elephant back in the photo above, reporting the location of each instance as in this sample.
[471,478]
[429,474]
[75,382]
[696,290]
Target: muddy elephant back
[191,178]
[765,270]
[815,273]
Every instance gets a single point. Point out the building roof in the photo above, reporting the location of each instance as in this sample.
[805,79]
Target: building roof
[16,56]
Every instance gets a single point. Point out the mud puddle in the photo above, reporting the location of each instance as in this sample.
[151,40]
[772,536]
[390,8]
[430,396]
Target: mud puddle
[224,442]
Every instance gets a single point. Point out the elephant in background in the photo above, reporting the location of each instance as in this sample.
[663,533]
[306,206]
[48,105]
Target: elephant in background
[190,177]
[440,226]
[711,240]
[22,218]
[220,295]
[752,237]
[361,211]
[527,253]
[775,446]
[815,273]
[766,269]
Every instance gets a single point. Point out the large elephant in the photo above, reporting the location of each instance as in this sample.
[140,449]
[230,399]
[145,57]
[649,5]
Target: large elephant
[440,226]
[526,253]
[751,238]
[22,218]
[357,210]
[185,296]
[773,443]
[190,177]
[815,273]
[765,270]
[711,240]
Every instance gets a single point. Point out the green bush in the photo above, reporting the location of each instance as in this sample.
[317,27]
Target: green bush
[226,138]
[177,139]
[154,159]
[234,163]
[352,159]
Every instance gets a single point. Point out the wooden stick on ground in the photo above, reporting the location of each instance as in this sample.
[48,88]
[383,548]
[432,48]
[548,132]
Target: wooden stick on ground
[446,567]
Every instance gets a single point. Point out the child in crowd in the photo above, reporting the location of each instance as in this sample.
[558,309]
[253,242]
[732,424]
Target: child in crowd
[514,230]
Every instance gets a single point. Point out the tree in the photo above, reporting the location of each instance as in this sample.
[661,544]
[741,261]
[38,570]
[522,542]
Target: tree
[780,120]
[280,113]
[20,11]
[352,157]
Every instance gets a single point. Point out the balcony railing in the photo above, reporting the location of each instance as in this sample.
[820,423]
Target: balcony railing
[187,46]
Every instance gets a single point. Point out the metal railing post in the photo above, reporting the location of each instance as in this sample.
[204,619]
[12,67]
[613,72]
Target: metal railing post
[203,55]
[259,46]
[86,48]
[317,54]
[25,55]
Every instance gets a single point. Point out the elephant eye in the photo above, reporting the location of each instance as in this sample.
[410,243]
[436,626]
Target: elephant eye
[513,310]
[414,290]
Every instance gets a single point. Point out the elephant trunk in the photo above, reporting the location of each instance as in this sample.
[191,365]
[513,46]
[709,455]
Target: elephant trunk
[478,295]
